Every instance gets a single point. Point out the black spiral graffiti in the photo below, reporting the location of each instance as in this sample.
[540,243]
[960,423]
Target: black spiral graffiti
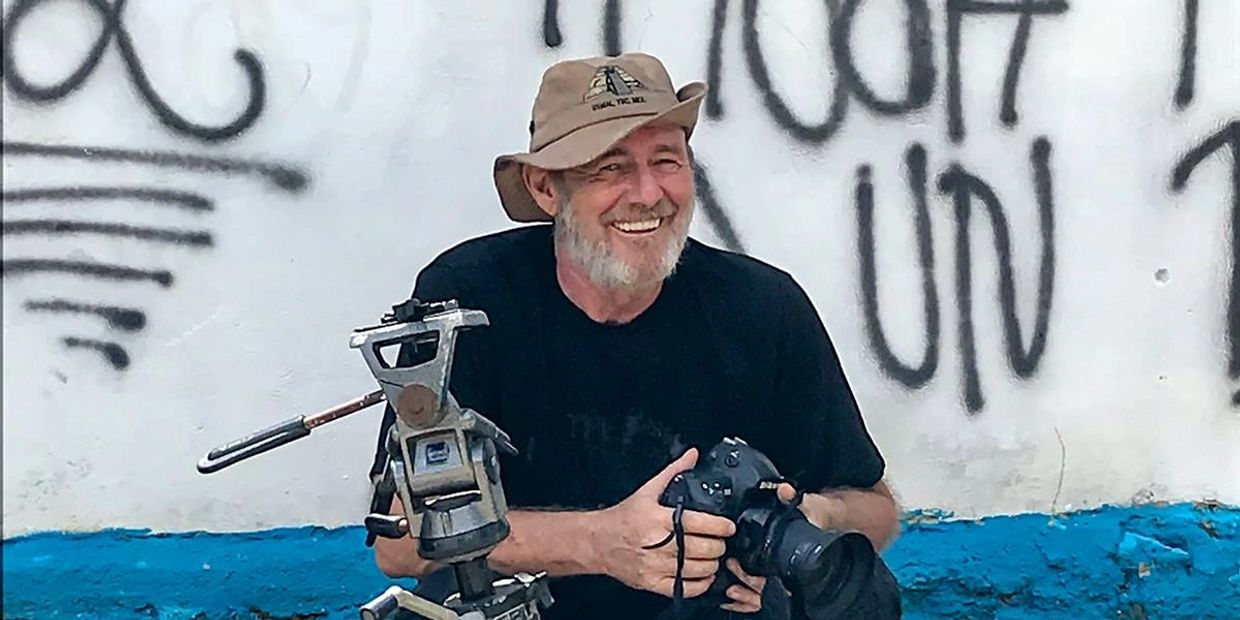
[113,27]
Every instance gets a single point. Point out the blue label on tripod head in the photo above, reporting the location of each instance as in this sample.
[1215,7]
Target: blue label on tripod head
[437,453]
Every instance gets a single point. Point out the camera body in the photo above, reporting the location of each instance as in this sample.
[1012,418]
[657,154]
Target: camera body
[829,573]
[738,483]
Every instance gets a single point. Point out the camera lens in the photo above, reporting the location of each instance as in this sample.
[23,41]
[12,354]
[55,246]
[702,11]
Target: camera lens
[824,570]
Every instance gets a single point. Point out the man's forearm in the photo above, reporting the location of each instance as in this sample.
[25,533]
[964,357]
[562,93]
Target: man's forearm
[560,543]
[872,511]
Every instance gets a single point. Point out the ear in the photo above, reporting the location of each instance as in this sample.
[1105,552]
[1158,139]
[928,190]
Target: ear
[538,182]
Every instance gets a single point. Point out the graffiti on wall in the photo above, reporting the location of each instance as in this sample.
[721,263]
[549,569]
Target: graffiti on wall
[112,27]
[849,82]
[957,185]
[1188,57]
[964,189]
[1024,346]
[176,204]
[1226,139]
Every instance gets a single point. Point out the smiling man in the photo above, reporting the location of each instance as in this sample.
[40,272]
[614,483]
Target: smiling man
[618,346]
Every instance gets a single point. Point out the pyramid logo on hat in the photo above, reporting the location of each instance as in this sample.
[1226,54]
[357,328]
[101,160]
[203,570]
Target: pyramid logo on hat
[614,80]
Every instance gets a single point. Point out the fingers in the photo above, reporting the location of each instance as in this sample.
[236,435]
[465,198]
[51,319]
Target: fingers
[754,582]
[654,487]
[703,548]
[693,587]
[696,545]
[743,600]
[745,597]
[704,524]
[698,569]
[786,493]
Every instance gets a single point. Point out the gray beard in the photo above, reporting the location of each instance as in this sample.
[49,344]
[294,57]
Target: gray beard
[600,264]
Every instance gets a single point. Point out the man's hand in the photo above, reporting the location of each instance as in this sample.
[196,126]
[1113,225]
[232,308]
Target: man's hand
[746,596]
[818,509]
[640,521]
[870,511]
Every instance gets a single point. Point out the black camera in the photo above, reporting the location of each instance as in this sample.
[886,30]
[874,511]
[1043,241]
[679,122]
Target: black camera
[829,573]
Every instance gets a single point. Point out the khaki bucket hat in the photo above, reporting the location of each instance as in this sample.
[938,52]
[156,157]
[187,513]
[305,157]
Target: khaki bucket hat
[583,108]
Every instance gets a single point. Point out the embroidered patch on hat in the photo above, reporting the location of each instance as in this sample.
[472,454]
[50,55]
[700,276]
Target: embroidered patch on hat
[614,80]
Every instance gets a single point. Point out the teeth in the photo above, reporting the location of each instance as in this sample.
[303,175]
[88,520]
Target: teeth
[639,227]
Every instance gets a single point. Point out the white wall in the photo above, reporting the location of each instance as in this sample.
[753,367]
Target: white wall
[394,111]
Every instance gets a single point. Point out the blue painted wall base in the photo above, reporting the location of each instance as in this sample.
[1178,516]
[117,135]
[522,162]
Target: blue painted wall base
[1178,561]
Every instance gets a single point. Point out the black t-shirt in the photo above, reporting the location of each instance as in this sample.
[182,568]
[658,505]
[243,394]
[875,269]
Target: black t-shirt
[731,347]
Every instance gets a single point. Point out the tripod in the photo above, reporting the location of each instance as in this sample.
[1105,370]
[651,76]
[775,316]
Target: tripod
[442,461]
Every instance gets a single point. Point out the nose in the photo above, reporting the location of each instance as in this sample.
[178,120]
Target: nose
[644,188]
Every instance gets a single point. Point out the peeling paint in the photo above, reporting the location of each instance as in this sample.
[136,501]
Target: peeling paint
[1131,562]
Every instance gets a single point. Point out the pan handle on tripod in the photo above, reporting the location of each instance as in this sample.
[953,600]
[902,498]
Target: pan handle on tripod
[254,444]
[282,433]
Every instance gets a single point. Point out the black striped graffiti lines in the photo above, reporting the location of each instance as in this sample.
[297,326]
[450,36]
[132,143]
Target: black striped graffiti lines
[112,352]
[143,233]
[185,200]
[71,230]
[89,269]
[124,319]
[287,178]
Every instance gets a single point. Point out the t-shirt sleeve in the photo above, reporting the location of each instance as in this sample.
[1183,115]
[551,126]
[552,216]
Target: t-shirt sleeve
[828,437]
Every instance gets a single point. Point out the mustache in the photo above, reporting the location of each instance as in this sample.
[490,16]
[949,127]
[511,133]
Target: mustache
[633,213]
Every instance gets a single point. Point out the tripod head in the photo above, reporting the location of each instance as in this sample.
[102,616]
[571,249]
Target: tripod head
[442,461]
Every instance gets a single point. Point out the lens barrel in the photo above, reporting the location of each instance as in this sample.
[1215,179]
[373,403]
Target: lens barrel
[824,570]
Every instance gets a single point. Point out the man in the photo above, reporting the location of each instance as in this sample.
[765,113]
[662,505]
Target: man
[618,348]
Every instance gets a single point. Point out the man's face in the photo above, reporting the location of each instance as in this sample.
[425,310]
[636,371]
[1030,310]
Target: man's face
[624,217]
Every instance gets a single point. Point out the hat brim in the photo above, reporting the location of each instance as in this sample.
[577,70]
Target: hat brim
[581,147]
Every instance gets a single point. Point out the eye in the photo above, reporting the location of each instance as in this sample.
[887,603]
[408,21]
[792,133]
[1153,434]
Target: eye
[668,164]
[610,168]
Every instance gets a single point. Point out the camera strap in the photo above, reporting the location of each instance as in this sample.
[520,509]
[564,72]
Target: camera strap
[678,534]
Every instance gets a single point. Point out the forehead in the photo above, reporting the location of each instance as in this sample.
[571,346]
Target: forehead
[650,138]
